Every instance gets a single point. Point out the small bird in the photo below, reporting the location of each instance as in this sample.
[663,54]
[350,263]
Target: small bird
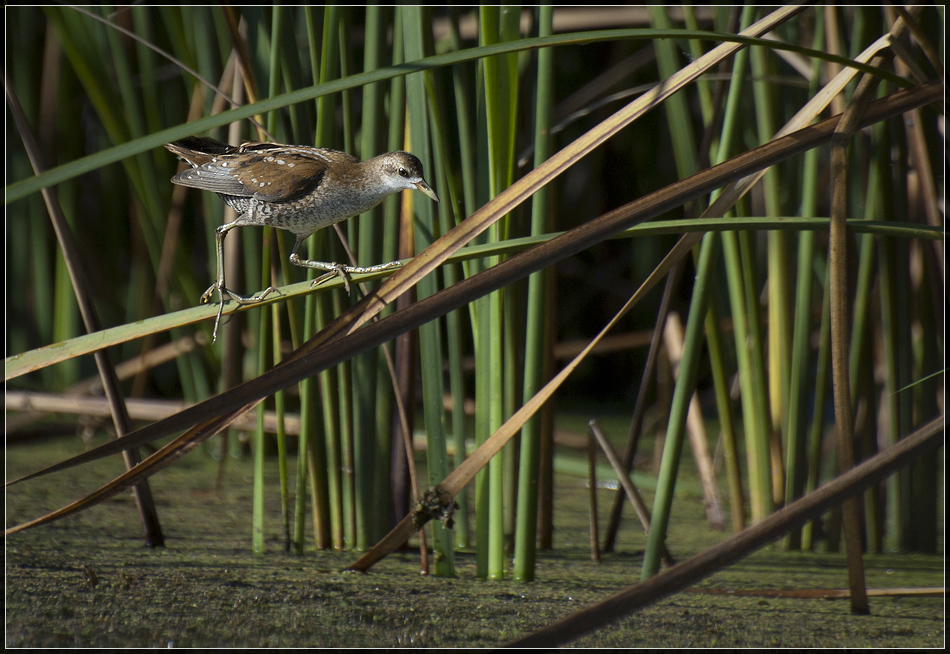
[293,187]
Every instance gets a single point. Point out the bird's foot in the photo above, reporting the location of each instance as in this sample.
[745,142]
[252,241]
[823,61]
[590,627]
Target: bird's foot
[223,294]
[336,270]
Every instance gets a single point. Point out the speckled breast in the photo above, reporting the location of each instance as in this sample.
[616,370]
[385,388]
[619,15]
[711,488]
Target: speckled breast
[303,216]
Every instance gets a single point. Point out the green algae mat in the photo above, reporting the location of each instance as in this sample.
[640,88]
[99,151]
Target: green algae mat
[87,581]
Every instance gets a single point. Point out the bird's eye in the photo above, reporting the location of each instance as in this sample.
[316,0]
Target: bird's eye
[403,172]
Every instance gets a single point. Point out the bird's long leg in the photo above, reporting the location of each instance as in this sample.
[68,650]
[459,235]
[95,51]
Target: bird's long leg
[335,269]
[219,285]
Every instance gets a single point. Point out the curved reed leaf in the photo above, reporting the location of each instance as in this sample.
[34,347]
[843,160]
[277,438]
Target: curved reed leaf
[23,188]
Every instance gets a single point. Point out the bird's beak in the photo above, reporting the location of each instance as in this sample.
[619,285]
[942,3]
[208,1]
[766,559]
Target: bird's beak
[425,188]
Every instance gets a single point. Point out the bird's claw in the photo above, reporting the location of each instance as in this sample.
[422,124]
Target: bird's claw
[338,271]
[224,293]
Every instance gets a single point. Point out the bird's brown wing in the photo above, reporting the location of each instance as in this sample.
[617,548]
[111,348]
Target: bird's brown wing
[262,170]
[275,175]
